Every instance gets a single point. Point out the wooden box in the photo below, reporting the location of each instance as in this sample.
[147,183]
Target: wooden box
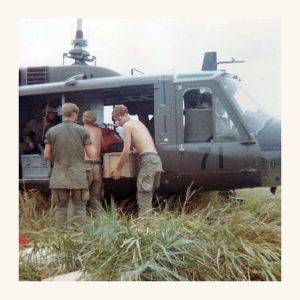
[130,168]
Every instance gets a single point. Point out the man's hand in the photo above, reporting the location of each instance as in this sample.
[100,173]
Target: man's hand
[115,174]
[31,145]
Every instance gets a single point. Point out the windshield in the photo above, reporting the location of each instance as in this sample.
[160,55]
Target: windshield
[254,115]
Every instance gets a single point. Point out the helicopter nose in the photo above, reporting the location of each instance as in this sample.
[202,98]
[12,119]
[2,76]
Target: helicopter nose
[269,139]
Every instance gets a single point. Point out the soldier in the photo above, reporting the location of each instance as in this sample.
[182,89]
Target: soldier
[206,103]
[136,134]
[66,145]
[93,167]
[34,133]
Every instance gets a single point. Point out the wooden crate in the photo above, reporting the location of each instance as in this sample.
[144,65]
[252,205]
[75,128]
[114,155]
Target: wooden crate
[130,168]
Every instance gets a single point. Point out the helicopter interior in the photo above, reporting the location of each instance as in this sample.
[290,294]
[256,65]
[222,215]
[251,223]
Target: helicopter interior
[139,99]
[204,117]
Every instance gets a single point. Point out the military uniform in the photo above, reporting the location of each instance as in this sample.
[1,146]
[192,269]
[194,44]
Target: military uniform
[94,176]
[148,181]
[33,136]
[68,175]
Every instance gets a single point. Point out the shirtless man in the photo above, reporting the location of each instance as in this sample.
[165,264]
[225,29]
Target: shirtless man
[136,134]
[93,167]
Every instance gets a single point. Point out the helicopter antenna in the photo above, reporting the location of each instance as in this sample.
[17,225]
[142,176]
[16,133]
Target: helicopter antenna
[232,61]
[78,53]
[136,70]
[210,62]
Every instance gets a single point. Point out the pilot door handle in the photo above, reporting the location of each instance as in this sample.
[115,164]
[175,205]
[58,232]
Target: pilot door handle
[181,149]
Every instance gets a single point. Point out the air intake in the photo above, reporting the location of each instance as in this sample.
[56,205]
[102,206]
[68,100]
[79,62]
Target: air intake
[37,75]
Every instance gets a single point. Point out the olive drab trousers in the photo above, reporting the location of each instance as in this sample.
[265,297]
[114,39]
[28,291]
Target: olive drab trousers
[148,181]
[61,198]
[94,177]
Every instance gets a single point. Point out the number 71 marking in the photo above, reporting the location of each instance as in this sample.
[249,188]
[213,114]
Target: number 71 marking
[206,154]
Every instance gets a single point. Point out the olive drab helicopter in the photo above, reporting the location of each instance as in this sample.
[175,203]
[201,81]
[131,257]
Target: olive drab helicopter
[208,130]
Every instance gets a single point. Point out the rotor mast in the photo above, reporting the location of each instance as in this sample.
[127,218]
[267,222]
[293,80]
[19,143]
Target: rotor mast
[80,56]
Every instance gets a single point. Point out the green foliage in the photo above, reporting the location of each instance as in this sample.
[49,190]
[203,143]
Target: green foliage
[204,237]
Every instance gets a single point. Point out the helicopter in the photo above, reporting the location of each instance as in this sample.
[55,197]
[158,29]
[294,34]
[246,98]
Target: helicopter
[208,130]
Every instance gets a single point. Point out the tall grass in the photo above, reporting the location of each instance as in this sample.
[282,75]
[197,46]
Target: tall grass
[35,210]
[202,237]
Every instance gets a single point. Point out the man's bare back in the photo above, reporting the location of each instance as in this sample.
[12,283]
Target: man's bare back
[96,138]
[140,136]
[136,134]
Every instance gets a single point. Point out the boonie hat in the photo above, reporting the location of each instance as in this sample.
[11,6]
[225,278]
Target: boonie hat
[52,109]
[48,109]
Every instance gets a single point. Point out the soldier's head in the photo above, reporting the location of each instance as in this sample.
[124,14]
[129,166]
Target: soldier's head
[206,101]
[206,104]
[191,98]
[120,114]
[49,111]
[70,111]
[89,117]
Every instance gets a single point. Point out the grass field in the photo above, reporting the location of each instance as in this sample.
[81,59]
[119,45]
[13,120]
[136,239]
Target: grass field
[202,237]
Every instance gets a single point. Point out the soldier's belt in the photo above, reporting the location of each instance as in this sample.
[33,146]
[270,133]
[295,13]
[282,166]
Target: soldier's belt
[93,162]
[148,153]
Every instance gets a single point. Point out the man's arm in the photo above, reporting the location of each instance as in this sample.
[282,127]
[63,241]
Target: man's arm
[90,151]
[48,152]
[124,155]
[96,141]
[101,139]
[27,134]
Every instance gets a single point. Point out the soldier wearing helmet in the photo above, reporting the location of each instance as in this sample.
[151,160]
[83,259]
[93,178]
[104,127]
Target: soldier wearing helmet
[34,133]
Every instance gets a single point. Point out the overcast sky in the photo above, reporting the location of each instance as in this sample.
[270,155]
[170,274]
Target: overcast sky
[163,46]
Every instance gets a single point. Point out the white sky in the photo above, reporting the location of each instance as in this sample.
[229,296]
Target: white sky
[166,45]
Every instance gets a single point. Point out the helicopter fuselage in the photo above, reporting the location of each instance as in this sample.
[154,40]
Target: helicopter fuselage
[225,146]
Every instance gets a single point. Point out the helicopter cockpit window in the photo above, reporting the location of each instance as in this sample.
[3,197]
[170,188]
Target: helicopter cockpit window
[197,116]
[225,128]
[253,114]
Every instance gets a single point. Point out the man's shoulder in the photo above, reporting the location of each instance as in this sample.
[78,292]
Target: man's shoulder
[79,127]
[95,127]
[127,127]
[94,130]
[55,128]
[132,123]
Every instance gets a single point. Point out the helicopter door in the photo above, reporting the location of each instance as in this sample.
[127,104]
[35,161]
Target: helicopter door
[165,131]
[210,153]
